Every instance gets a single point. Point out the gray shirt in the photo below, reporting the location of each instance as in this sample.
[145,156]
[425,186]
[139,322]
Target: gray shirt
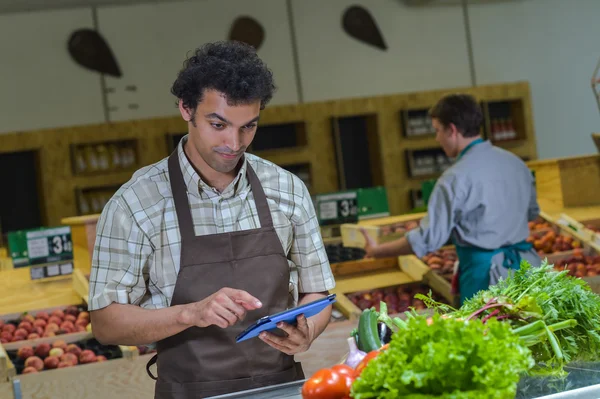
[484,200]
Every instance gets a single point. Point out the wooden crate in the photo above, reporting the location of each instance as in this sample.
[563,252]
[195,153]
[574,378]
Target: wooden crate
[81,284]
[363,266]
[587,229]
[381,230]
[413,266]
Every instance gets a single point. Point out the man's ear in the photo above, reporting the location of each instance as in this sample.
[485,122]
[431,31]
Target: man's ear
[185,112]
[453,129]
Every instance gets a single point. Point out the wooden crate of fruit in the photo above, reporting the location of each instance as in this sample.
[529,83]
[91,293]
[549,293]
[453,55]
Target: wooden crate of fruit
[587,230]
[583,263]
[381,230]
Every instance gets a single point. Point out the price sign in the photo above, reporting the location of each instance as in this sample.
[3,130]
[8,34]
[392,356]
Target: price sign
[40,246]
[337,208]
[40,272]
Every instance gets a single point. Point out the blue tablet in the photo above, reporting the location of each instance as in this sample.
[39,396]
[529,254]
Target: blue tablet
[269,323]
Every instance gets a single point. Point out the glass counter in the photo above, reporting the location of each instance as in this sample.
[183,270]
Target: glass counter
[583,382]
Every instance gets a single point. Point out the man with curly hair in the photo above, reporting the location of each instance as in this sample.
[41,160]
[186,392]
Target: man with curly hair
[195,248]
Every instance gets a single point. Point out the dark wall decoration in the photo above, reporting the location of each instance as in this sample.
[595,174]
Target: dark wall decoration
[360,24]
[91,51]
[247,30]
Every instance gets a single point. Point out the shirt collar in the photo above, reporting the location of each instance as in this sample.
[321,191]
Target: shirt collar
[197,186]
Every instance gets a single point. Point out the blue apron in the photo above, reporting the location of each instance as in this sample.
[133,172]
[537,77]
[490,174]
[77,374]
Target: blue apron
[475,263]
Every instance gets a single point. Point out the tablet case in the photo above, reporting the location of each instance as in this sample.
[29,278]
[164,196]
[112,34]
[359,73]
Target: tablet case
[269,323]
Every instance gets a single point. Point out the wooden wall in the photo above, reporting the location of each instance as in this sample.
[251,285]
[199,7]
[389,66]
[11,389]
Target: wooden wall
[59,183]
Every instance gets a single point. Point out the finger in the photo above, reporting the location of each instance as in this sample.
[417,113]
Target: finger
[243,298]
[302,325]
[231,306]
[294,335]
[223,312]
[368,239]
[275,342]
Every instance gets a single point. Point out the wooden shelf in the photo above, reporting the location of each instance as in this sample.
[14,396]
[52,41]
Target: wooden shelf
[104,157]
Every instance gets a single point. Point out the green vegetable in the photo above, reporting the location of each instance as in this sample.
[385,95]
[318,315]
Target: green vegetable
[555,314]
[368,336]
[447,359]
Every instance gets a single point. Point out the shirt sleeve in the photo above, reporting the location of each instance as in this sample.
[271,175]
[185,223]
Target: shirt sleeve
[308,251]
[120,260]
[534,209]
[435,228]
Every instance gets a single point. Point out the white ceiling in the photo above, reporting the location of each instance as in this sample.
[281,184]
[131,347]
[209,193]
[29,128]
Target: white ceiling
[8,6]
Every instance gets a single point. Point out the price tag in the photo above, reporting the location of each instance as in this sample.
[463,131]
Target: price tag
[40,272]
[337,208]
[40,246]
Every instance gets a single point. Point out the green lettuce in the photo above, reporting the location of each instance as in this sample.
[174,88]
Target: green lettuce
[449,358]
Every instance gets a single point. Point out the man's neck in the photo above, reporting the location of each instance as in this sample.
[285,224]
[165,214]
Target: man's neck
[213,178]
[464,142]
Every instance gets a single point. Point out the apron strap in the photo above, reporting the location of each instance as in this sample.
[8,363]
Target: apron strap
[182,207]
[260,199]
[151,363]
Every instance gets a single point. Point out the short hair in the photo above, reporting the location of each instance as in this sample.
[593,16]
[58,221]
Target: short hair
[230,67]
[462,110]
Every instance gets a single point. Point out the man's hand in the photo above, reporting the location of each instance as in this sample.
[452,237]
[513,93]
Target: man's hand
[370,244]
[298,338]
[224,308]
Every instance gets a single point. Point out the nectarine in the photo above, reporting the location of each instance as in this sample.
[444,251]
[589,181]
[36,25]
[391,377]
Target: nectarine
[51,362]
[35,362]
[24,352]
[42,350]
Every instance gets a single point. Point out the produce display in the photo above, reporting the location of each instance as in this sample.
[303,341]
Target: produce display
[442,262]
[533,323]
[580,265]
[338,253]
[59,354]
[539,224]
[593,227]
[549,242]
[45,324]
[555,314]
[399,228]
[398,299]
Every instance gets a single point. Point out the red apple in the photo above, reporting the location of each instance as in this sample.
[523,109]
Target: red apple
[25,325]
[74,349]
[29,370]
[42,316]
[87,356]
[21,332]
[58,313]
[40,323]
[35,362]
[69,357]
[52,327]
[11,328]
[49,334]
[25,352]
[42,350]
[51,362]
[33,336]
[67,326]
[60,344]
[38,330]
[6,335]
[55,320]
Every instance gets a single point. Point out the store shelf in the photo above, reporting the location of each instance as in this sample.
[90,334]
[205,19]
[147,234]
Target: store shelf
[426,163]
[104,157]
[416,124]
[279,136]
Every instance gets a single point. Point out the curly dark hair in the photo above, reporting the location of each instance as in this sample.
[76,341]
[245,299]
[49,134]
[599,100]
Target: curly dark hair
[460,109]
[230,67]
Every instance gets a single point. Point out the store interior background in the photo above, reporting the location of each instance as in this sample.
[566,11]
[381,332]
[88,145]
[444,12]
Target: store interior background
[552,44]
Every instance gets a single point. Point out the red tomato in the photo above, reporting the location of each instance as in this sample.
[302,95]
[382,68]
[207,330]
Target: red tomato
[345,372]
[361,366]
[325,384]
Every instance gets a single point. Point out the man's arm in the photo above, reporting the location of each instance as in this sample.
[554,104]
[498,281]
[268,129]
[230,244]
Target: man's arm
[120,324]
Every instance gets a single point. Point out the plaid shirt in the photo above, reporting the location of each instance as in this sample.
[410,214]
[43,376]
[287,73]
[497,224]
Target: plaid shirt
[138,244]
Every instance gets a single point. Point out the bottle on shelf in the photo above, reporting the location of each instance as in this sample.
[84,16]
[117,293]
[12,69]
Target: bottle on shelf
[103,157]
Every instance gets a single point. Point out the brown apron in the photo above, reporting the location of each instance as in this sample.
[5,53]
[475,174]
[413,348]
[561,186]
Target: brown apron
[203,362]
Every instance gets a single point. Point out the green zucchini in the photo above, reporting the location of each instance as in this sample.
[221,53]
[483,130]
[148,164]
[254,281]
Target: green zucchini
[368,336]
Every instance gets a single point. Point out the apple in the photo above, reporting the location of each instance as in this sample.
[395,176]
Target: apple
[52,327]
[74,349]
[58,313]
[29,370]
[40,323]
[42,316]
[35,362]
[11,328]
[28,318]
[64,364]
[24,352]
[67,326]
[60,344]
[57,352]
[25,325]
[38,330]
[49,334]
[21,332]
[42,350]
[69,357]
[55,320]
[71,318]
[87,356]
[51,362]
[33,336]
[17,338]
[6,335]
